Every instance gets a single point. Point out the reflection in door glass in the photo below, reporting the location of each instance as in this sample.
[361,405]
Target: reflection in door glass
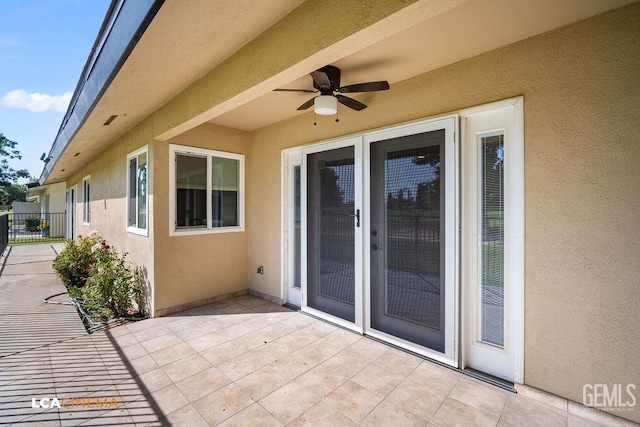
[331,269]
[492,243]
[413,205]
[337,192]
[296,228]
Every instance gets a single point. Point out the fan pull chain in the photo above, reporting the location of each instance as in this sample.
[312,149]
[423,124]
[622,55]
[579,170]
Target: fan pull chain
[315,118]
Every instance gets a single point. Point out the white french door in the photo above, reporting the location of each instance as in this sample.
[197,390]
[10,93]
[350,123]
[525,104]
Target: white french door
[414,235]
[332,236]
[410,233]
[379,235]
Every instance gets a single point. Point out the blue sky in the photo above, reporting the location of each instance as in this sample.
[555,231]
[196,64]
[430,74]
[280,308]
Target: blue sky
[44,45]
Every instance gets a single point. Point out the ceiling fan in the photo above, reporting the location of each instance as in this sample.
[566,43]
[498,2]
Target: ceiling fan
[326,81]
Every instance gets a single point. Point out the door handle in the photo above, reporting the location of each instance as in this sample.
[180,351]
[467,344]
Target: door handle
[375,247]
[357,217]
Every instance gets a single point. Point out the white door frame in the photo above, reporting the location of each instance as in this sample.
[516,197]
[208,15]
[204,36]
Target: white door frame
[290,158]
[487,356]
[71,220]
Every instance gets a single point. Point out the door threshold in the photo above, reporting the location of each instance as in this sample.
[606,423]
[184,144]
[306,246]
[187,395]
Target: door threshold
[480,376]
[291,306]
[498,382]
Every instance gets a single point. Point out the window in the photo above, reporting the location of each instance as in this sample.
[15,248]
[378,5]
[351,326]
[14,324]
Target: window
[137,163]
[86,198]
[207,191]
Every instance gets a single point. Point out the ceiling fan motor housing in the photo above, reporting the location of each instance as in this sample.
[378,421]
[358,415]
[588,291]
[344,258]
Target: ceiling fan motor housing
[333,73]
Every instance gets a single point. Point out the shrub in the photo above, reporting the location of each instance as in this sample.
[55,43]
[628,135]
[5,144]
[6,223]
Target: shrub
[111,290]
[32,224]
[98,277]
[76,261]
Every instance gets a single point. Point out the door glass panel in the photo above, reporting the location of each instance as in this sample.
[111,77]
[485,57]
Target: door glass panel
[491,293]
[407,238]
[331,234]
[412,188]
[336,230]
[296,229]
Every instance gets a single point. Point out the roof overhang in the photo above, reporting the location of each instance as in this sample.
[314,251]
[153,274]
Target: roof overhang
[180,63]
[124,24]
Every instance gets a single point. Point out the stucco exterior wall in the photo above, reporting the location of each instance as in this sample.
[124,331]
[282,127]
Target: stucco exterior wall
[57,197]
[53,200]
[197,267]
[24,208]
[581,86]
[108,194]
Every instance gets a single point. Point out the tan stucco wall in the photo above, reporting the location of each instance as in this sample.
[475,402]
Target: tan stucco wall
[108,199]
[56,194]
[197,267]
[581,86]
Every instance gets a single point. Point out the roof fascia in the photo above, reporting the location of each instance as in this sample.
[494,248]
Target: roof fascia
[125,23]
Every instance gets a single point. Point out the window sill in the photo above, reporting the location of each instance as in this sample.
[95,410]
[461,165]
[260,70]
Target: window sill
[86,224]
[195,231]
[138,231]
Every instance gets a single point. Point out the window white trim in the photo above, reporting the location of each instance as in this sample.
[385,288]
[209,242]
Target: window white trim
[86,200]
[131,229]
[175,150]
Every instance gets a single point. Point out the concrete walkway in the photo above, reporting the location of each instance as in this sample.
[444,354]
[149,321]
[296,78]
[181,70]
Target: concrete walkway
[45,352]
[27,323]
[238,362]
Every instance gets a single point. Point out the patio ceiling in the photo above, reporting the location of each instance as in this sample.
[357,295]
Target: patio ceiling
[188,38]
[474,27]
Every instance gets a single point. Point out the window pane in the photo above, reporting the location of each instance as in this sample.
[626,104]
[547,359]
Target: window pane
[86,212]
[492,240]
[142,190]
[191,191]
[224,188]
[131,221]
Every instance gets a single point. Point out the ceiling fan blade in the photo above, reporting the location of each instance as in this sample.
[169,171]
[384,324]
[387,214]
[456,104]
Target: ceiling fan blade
[296,90]
[365,87]
[307,104]
[351,103]
[321,79]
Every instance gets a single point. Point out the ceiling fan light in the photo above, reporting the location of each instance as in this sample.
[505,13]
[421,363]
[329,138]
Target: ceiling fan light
[325,105]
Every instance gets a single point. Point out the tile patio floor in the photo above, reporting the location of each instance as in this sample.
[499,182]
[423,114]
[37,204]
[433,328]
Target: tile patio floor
[247,362]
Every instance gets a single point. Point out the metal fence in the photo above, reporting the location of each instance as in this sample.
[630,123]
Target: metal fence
[35,228]
[4,232]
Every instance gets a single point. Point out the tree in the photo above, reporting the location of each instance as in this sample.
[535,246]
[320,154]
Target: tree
[8,151]
[331,193]
[13,193]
